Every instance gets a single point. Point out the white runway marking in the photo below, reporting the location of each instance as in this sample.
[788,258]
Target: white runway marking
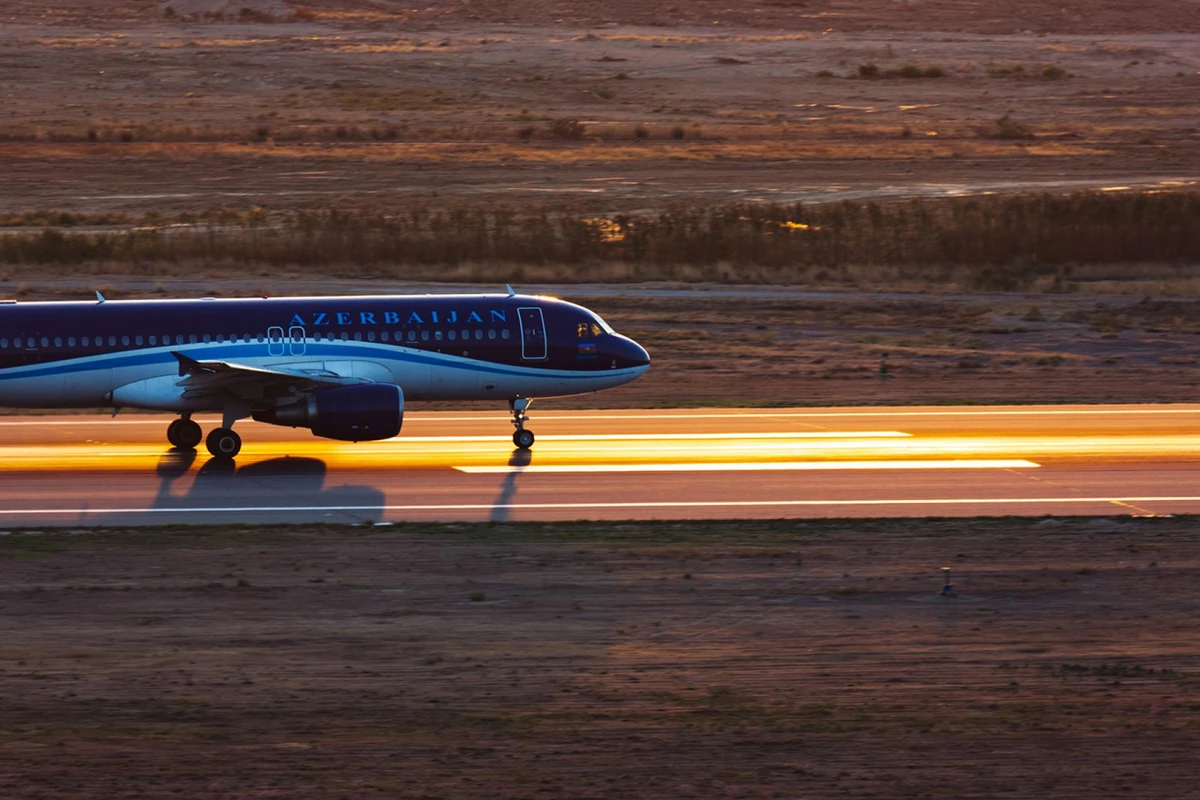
[951,501]
[753,466]
[653,437]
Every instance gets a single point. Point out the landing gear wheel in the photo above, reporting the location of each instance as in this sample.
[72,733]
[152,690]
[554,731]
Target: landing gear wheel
[173,432]
[187,434]
[223,443]
[522,438]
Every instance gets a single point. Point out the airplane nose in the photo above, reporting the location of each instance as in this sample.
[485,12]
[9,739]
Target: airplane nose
[629,353]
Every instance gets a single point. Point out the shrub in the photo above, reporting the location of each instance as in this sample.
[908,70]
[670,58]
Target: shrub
[868,71]
[1052,72]
[678,132]
[567,129]
[525,134]
[641,132]
[824,73]
[1006,128]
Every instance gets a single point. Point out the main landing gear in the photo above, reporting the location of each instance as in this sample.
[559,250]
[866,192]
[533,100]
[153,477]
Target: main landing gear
[223,443]
[522,438]
[185,434]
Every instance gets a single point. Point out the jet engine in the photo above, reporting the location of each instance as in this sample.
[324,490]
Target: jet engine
[349,413]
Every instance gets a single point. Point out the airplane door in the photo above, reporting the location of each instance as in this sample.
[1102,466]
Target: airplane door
[275,345]
[296,340]
[533,334]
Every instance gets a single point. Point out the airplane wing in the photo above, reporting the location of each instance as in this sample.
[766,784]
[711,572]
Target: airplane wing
[205,377]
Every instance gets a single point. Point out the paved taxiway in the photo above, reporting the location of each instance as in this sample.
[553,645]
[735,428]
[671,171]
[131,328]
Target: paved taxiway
[69,470]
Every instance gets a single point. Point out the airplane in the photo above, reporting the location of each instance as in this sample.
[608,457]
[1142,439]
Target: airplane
[342,367]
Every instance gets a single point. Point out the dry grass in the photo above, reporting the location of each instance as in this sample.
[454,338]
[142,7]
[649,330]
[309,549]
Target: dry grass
[1014,243]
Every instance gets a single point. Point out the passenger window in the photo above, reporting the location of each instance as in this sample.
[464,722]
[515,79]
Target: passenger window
[58,341]
[345,336]
[492,333]
[358,336]
[466,335]
[17,343]
[412,336]
[3,342]
[504,333]
[153,340]
[125,341]
[438,335]
[138,341]
[207,338]
[371,336]
[192,339]
[220,338]
[86,341]
[478,334]
[424,336]
[45,342]
[383,336]
[451,335]
[112,341]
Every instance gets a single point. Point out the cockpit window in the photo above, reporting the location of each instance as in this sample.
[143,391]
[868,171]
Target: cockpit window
[604,326]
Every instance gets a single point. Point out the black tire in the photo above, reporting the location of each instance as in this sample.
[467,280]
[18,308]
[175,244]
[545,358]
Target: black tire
[523,438]
[173,433]
[187,435]
[223,443]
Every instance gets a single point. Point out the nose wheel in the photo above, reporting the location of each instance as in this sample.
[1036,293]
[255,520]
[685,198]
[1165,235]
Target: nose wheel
[522,437]
[184,434]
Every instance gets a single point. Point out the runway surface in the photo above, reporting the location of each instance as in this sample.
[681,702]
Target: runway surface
[664,464]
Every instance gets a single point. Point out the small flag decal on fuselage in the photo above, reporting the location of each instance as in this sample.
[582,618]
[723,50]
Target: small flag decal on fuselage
[588,350]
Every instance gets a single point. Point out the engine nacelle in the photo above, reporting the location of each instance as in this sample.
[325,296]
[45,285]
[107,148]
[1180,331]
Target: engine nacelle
[349,413]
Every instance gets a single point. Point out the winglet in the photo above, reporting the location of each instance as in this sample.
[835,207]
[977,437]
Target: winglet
[99,297]
[508,286]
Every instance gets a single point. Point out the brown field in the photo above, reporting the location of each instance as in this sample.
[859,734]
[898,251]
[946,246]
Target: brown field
[756,660]
[126,105]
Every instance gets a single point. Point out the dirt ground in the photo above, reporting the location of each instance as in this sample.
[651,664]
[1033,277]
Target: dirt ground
[624,660]
[124,105]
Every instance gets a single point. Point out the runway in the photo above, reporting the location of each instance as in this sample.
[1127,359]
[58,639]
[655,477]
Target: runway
[661,464]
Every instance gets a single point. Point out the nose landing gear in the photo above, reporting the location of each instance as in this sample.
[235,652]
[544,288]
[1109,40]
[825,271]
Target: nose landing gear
[184,433]
[522,438]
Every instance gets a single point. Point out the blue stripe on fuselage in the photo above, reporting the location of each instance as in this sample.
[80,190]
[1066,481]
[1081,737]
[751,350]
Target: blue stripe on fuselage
[314,351]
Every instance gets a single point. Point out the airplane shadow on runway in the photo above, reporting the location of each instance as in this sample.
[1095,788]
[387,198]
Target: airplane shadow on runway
[277,484]
[508,489]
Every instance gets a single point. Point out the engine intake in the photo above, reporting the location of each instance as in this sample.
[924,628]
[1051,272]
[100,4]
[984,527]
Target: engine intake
[348,413]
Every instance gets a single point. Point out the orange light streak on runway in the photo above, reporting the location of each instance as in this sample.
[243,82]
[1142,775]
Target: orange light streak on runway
[446,452]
